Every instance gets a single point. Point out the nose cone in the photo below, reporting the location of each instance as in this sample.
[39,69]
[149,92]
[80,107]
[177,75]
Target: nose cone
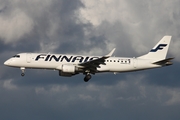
[7,62]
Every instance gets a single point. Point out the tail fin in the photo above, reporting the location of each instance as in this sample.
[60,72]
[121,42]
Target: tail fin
[159,51]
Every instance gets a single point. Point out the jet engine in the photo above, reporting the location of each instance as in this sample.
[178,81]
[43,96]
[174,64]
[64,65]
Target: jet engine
[69,69]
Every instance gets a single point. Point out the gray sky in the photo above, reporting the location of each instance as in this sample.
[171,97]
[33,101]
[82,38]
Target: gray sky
[89,27]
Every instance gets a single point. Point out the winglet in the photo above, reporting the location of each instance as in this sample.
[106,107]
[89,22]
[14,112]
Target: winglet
[111,53]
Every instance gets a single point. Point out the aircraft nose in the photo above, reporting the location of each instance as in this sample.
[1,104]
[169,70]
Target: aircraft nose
[6,62]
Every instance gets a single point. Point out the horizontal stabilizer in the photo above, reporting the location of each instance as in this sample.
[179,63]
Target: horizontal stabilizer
[164,62]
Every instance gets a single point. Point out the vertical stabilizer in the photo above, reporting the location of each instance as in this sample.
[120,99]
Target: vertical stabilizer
[159,51]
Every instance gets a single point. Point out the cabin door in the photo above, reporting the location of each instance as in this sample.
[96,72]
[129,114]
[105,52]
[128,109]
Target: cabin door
[135,62]
[28,57]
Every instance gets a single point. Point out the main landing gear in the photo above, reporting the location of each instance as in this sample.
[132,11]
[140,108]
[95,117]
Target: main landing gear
[87,77]
[23,70]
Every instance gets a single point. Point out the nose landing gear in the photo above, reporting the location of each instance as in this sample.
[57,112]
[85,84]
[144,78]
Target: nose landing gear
[22,74]
[23,70]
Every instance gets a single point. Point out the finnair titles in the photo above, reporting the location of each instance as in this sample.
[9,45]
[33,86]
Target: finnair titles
[64,58]
[70,65]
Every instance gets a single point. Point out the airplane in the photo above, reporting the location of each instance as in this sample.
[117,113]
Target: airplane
[69,65]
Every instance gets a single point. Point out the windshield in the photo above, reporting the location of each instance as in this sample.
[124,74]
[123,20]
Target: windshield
[16,56]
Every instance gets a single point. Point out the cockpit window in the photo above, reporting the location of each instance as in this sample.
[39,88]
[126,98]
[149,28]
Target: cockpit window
[16,56]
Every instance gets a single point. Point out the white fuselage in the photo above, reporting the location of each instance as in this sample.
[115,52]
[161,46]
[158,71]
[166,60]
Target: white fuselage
[55,61]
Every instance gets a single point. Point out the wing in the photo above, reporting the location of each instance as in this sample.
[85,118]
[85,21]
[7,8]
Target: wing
[94,64]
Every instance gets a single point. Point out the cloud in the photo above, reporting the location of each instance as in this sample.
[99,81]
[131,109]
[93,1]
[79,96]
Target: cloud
[52,89]
[93,28]
[8,85]
[98,11]
[129,95]
[15,26]
[175,97]
[138,19]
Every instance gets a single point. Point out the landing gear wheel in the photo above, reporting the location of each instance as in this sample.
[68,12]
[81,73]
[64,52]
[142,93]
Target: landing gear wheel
[23,70]
[22,74]
[87,78]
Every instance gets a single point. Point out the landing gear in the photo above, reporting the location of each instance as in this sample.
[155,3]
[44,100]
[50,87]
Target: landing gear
[22,74]
[87,77]
[23,70]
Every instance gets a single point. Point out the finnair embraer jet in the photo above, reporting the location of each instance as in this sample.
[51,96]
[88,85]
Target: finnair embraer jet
[69,65]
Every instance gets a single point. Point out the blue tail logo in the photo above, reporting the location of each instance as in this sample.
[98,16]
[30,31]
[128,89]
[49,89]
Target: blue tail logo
[159,47]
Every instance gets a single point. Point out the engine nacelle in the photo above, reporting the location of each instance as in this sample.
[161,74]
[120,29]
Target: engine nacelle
[69,69]
[65,74]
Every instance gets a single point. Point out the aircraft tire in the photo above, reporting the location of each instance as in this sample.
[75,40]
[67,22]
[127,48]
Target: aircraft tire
[87,78]
[22,74]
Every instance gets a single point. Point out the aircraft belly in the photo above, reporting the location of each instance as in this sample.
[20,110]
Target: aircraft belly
[121,68]
[41,65]
[103,68]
